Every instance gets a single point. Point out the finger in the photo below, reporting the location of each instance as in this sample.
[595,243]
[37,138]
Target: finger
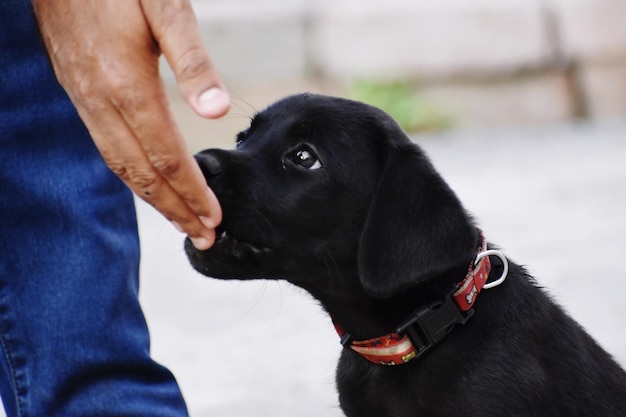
[155,129]
[126,158]
[145,182]
[175,28]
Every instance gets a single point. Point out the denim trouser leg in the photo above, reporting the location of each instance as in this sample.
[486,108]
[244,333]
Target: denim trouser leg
[72,335]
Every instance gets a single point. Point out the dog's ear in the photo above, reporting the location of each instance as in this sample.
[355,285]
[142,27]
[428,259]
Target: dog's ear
[416,228]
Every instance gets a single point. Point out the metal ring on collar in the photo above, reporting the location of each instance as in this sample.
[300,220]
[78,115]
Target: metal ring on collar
[505,264]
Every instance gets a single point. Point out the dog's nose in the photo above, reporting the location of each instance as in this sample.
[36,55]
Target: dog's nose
[209,164]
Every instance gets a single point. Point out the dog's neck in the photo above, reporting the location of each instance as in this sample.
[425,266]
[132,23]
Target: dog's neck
[424,326]
[365,316]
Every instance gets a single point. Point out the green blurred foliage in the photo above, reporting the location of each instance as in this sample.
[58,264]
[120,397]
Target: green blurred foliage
[403,102]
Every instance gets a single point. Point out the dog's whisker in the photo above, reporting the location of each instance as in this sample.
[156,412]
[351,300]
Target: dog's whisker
[280,302]
[237,99]
[238,102]
[256,299]
[269,228]
[332,270]
[236,116]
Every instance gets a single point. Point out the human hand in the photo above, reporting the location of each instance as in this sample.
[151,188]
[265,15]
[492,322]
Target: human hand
[105,54]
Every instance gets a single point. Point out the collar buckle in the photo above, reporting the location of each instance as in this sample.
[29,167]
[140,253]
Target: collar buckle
[431,323]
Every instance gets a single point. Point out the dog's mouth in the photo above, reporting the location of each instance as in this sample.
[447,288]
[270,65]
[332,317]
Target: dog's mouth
[231,256]
[240,249]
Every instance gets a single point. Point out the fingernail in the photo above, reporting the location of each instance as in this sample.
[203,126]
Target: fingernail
[214,102]
[208,222]
[201,243]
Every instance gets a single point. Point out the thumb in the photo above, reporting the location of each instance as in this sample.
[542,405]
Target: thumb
[175,29]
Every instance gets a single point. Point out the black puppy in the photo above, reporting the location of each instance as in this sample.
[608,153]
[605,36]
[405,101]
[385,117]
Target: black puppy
[331,195]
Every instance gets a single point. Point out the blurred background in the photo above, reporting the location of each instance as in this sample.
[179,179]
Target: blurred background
[449,64]
[521,104]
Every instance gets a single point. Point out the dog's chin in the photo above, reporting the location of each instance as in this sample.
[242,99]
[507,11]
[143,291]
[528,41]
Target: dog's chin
[228,258]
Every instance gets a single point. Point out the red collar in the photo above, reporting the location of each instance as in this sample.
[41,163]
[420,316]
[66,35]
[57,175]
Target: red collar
[431,323]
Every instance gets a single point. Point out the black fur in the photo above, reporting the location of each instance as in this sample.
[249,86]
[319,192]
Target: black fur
[372,234]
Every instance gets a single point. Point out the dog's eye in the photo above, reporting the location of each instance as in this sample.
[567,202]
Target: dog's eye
[305,157]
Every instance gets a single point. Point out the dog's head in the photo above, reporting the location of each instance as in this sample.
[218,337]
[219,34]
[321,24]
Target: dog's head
[323,188]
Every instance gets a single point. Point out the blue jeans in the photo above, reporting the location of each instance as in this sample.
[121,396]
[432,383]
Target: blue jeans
[73,338]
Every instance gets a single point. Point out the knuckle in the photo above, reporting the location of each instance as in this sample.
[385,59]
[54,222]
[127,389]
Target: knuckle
[86,92]
[95,93]
[118,169]
[142,179]
[169,12]
[194,63]
[84,88]
[114,163]
[124,97]
[167,165]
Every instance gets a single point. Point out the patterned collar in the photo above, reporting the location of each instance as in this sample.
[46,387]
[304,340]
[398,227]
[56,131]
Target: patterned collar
[429,324]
